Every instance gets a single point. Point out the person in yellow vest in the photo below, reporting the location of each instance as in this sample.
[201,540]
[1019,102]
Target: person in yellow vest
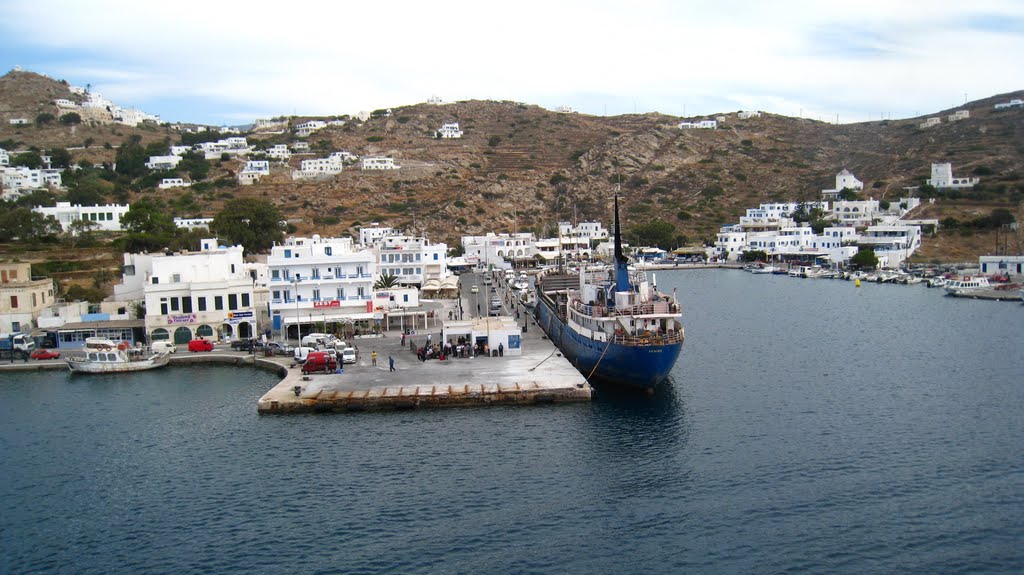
[373,357]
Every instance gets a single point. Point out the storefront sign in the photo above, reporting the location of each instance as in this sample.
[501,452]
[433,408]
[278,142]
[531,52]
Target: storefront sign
[323,304]
[183,318]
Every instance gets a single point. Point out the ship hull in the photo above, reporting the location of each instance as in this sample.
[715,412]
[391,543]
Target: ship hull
[642,366]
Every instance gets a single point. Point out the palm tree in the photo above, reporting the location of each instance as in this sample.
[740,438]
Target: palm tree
[386,281]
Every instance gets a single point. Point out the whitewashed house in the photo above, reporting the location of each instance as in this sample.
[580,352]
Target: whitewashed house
[959,115]
[933,121]
[300,147]
[163,162]
[1014,103]
[64,103]
[5,157]
[413,260]
[943,178]
[745,114]
[892,243]
[1011,265]
[262,125]
[307,128]
[180,150]
[18,121]
[320,280]
[855,212]
[845,180]
[698,125]
[730,242]
[370,234]
[260,166]
[319,167]
[494,249]
[435,100]
[248,178]
[193,223]
[280,152]
[449,131]
[107,217]
[587,229]
[206,294]
[167,183]
[379,163]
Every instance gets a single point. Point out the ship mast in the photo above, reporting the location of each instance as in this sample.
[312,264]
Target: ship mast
[621,269]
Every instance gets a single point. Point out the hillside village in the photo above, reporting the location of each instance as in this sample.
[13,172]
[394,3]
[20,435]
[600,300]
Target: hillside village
[381,208]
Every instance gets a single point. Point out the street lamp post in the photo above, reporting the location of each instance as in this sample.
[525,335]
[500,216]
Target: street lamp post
[298,326]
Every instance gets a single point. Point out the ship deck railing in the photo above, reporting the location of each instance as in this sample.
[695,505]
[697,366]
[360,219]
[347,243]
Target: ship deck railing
[648,338]
[649,308]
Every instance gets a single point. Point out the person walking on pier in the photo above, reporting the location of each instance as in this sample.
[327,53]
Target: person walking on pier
[373,357]
[391,362]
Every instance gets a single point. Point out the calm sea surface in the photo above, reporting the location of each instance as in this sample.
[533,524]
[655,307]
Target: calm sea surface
[810,427]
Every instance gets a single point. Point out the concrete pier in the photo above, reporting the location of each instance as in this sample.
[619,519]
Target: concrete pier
[539,375]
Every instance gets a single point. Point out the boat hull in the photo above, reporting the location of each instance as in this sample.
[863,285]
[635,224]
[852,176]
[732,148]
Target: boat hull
[78,366]
[642,366]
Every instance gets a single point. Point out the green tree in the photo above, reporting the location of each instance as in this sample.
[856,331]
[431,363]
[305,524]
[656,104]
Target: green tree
[60,158]
[754,256]
[44,119]
[655,233]
[70,119]
[386,281]
[847,194]
[88,190]
[81,233]
[149,227]
[131,158]
[30,159]
[865,259]
[23,224]
[195,165]
[254,223]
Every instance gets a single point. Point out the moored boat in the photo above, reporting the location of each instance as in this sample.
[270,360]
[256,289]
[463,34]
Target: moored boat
[966,285]
[102,355]
[611,324]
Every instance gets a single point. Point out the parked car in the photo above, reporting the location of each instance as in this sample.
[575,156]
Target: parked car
[348,355]
[315,339]
[243,344]
[319,361]
[279,348]
[162,346]
[200,345]
[299,354]
[45,354]
[474,289]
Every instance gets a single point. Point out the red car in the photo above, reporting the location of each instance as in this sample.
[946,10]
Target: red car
[319,361]
[45,354]
[200,345]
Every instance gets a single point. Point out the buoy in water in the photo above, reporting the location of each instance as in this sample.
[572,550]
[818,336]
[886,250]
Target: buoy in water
[856,282]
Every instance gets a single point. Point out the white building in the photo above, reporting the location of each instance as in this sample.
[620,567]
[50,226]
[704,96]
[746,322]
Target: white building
[845,180]
[131,116]
[247,178]
[413,260]
[435,100]
[1014,103]
[493,249]
[933,121]
[180,150]
[18,121]
[318,167]
[205,294]
[1011,265]
[233,146]
[306,128]
[370,234]
[5,157]
[744,114]
[855,212]
[19,178]
[892,243]
[300,147]
[64,103]
[698,125]
[731,242]
[163,162]
[943,178]
[322,280]
[193,223]
[173,183]
[588,229]
[379,163]
[280,152]
[449,131]
[107,217]
[269,125]
[260,166]
[564,110]
[959,115]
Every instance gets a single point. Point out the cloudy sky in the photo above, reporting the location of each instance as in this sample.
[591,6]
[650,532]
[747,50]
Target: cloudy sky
[230,62]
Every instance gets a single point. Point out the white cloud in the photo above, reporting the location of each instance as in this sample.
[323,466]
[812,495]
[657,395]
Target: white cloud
[851,58]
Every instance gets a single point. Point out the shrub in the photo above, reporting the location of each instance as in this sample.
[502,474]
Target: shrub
[44,118]
[459,204]
[493,141]
[375,138]
[70,118]
[403,119]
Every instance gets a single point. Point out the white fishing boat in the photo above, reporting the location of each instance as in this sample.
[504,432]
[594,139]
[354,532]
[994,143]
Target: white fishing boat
[102,355]
[521,283]
[967,284]
[764,270]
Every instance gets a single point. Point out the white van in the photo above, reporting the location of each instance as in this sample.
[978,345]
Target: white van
[301,352]
[163,347]
[314,339]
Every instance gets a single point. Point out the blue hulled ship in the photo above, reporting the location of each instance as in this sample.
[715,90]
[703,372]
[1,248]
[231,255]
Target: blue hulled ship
[612,324]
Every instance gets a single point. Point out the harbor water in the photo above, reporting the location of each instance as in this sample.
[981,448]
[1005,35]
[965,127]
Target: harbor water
[809,427]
